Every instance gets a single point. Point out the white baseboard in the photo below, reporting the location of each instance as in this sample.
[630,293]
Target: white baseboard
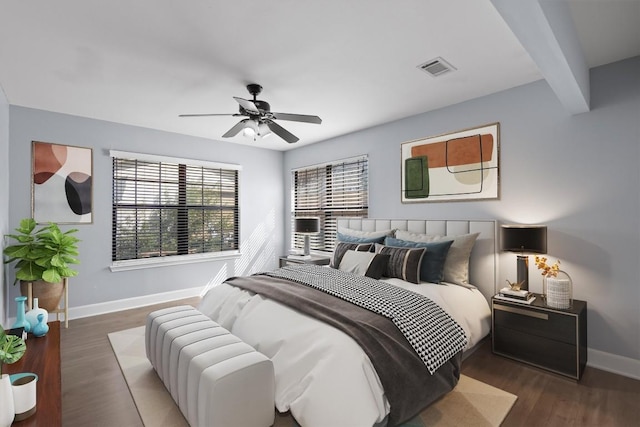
[609,362]
[125,304]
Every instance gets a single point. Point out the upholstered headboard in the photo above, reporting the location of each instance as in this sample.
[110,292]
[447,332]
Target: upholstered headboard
[483,268]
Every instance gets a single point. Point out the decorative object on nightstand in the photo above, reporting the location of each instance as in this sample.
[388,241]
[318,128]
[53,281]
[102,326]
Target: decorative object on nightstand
[516,295]
[557,286]
[524,239]
[307,226]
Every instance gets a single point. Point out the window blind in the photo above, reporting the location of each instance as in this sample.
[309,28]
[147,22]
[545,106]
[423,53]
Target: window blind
[163,208]
[329,191]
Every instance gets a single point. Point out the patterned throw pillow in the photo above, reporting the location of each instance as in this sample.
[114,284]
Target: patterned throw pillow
[364,263]
[342,247]
[404,263]
[432,267]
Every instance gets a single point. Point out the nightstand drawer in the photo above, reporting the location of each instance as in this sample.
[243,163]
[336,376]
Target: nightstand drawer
[539,351]
[536,322]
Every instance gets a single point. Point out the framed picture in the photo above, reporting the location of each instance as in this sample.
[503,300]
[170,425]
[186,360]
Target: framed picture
[61,183]
[463,165]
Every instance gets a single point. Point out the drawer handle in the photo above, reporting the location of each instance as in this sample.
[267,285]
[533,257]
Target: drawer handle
[524,312]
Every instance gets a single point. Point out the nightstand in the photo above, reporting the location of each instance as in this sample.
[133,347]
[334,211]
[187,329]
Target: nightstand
[313,259]
[549,338]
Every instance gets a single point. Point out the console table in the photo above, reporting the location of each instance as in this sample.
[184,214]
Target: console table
[43,358]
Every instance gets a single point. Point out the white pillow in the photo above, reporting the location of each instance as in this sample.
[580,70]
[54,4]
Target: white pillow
[456,266]
[364,263]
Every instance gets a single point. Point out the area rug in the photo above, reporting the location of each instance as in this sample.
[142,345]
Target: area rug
[471,403]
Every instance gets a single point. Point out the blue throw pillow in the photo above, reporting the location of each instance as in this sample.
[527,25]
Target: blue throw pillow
[432,267]
[353,239]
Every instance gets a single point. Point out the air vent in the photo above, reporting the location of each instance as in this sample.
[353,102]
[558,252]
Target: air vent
[436,67]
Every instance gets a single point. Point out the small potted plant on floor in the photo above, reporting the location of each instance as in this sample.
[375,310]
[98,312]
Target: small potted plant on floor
[43,257]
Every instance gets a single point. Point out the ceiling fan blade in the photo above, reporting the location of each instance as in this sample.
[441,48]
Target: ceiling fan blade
[205,115]
[282,132]
[234,130]
[249,106]
[298,118]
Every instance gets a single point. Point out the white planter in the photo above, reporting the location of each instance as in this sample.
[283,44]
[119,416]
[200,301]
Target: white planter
[24,394]
[7,411]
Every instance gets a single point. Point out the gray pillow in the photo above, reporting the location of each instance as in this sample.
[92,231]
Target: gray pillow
[364,263]
[366,234]
[456,266]
[357,239]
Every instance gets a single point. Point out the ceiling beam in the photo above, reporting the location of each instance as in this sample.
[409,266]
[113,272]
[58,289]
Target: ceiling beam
[546,30]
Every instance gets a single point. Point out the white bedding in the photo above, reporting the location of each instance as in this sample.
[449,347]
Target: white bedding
[322,376]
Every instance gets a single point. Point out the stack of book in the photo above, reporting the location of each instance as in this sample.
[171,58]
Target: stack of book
[524,297]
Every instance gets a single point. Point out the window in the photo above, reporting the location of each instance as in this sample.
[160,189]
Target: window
[166,207]
[329,191]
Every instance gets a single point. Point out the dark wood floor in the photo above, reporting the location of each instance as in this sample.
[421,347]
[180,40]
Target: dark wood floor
[94,392]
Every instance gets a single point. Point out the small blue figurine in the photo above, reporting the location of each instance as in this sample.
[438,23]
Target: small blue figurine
[41,328]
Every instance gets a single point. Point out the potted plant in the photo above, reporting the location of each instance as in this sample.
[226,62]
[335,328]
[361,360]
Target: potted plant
[43,258]
[12,348]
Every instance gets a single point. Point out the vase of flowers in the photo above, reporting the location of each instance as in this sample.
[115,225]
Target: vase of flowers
[557,286]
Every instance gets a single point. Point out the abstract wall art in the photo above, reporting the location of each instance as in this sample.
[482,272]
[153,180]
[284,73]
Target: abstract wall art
[61,183]
[457,166]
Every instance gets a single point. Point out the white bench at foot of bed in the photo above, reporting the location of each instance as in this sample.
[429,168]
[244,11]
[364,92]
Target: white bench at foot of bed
[216,379]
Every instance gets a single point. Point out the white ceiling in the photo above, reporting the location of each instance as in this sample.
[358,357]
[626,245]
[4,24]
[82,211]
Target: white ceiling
[353,63]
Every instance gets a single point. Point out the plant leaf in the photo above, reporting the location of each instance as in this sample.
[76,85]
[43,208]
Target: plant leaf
[12,348]
[26,226]
[51,275]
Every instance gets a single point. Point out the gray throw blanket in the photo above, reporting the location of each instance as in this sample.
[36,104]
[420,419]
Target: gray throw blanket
[408,385]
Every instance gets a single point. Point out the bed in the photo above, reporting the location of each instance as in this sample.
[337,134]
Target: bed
[326,377]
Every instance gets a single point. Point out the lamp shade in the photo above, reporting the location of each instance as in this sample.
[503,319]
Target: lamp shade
[524,238]
[307,225]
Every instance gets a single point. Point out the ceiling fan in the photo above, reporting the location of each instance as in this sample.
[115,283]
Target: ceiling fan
[260,118]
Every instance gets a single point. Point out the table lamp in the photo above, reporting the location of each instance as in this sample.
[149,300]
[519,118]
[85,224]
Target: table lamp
[307,226]
[524,239]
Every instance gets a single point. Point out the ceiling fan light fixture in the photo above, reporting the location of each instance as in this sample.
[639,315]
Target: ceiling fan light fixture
[250,129]
[263,130]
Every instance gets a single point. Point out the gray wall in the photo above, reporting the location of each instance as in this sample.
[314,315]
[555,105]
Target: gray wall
[261,203]
[577,174]
[4,193]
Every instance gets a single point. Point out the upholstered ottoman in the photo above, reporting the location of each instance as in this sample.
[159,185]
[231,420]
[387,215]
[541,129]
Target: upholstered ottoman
[215,379]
